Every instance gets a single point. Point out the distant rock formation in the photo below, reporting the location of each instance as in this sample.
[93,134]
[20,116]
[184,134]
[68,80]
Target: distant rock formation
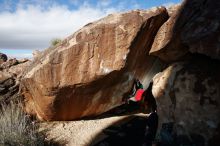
[3,58]
[10,74]
[89,72]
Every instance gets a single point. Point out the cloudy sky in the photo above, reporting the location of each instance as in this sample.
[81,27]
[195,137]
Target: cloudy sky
[27,25]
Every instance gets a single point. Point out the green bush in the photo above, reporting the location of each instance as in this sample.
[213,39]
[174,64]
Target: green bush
[16,128]
[55,42]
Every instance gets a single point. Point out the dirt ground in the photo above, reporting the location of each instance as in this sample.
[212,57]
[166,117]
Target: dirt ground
[120,126]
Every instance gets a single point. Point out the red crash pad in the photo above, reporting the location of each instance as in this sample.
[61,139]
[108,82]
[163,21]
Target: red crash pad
[138,94]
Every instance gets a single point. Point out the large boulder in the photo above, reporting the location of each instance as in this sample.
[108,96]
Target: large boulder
[194,27]
[89,72]
[188,94]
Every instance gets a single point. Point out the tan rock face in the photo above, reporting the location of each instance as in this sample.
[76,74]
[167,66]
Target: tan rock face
[188,94]
[90,71]
[193,27]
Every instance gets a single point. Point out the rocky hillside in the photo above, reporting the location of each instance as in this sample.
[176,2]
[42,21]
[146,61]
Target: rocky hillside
[10,74]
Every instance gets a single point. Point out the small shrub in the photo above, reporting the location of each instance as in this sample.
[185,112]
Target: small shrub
[16,128]
[55,42]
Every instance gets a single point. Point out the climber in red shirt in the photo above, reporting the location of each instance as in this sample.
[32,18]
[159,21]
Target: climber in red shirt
[136,93]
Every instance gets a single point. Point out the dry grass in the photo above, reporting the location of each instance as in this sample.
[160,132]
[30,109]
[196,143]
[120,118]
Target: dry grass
[16,128]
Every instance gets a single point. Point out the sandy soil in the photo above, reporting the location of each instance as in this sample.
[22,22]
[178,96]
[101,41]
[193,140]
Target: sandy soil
[83,132]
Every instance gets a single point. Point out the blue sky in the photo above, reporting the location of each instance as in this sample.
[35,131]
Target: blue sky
[27,25]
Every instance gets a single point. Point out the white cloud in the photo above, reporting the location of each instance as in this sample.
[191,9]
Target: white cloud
[104,2]
[33,26]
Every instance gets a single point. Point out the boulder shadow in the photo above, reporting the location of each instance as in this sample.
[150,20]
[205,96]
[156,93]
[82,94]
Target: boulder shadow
[122,110]
[129,132]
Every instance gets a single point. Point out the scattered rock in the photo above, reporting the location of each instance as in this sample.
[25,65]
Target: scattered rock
[9,63]
[3,58]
